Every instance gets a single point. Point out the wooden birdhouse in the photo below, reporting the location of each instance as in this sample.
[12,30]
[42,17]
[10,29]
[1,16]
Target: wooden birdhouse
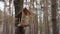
[23,16]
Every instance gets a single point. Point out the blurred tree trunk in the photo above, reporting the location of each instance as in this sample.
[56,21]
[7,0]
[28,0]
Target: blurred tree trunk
[4,25]
[10,23]
[13,20]
[36,21]
[31,27]
[47,31]
[7,24]
[40,26]
[54,8]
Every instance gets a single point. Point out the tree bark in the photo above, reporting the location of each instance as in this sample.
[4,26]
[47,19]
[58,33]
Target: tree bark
[47,31]
[4,24]
[18,6]
[54,7]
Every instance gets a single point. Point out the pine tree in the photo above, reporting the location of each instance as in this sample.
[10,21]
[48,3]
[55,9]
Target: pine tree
[45,9]
[54,7]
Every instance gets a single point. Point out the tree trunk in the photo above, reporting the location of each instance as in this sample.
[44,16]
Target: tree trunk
[47,31]
[40,26]
[54,8]
[4,25]
[31,27]
[18,6]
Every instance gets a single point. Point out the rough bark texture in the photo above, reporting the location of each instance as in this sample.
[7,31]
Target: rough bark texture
[18,6]
[54,15]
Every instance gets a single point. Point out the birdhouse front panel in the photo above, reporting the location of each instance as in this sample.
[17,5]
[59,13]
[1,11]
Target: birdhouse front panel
[24,20]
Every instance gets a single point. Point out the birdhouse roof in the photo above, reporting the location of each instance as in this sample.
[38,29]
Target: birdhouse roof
[25,12]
